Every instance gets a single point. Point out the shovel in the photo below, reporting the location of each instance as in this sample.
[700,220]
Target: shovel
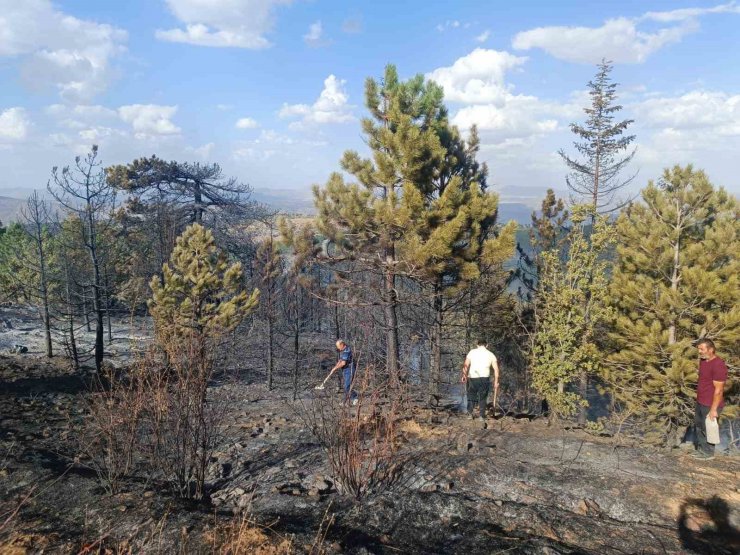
[326,379]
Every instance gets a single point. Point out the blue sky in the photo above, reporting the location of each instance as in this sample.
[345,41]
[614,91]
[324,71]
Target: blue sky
[273,89]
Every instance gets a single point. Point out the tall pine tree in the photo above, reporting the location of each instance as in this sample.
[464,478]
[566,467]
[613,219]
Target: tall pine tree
[450,238]
[676,281]
[596,177]
[367,219]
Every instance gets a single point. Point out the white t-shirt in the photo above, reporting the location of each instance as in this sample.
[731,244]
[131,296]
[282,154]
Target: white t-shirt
[481,362]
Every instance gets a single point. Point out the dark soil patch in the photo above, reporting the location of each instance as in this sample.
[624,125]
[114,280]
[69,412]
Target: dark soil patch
[518,486]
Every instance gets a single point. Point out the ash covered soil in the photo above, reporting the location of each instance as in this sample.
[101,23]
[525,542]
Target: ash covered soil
[518,486]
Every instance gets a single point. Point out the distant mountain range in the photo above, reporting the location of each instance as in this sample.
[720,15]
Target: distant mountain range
[301,202]
[10,209]
[513,207]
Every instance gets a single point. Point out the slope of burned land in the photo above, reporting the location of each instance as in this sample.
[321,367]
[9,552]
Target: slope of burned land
[518,486]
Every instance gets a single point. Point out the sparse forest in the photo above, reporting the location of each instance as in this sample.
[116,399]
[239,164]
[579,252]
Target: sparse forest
[180,302]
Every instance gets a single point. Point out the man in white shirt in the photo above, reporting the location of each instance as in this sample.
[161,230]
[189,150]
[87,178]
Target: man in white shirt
[476,373]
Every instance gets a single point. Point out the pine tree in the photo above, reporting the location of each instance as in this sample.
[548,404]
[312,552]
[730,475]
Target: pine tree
[450,239]
[16,248]
[676,281]
[596,177]
[200,299]
[366,220]
[269,269]
[547,232]
[565,340]
[191,190]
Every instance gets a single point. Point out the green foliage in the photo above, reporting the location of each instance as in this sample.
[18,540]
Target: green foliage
[676,281]
[371,215]
[15,247]
[547,232]
[572,297]
[201,295]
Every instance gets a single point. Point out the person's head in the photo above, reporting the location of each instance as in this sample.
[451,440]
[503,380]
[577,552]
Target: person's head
[706,348]
[340,344]
[482,342]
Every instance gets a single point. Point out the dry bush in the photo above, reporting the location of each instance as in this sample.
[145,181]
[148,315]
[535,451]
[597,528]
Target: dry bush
[181,426]
[109,439]
[156,418]
[243,536]
[360,441]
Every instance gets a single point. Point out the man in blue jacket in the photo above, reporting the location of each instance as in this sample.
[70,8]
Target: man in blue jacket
[347,364]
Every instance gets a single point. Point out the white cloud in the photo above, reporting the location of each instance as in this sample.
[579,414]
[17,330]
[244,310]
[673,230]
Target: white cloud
[699,127]
[718,111]
[484,36]
[331,107]
[222,23]
[618,39]
[203,152]
[690,13]
[80,116]
[477,78]
[148,120]
[505,119]
[73,55]
[246,123]
[14,125]
[519,116]
[313,37]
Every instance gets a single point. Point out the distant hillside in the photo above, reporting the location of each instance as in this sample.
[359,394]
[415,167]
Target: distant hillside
[10,209]
[285,200]
[520,213]
[301,202]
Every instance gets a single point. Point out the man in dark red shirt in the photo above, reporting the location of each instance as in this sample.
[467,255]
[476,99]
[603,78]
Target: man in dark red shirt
[709,389]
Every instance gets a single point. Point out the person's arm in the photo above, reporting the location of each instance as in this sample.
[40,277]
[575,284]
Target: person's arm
[465,368]
[343,359]
[495,374]
[719,375]
[716,398]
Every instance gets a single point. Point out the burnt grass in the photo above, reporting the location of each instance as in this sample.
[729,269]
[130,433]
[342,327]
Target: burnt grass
[519,486]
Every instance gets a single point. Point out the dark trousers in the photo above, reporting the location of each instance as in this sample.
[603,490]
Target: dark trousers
[700,429]
[478,390]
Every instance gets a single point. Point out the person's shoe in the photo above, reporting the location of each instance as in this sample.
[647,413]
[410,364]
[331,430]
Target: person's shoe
[702,456]
[354,402]
[483,422]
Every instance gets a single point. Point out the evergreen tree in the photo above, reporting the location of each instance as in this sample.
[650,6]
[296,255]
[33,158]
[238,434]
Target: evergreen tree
[15,275]
[200,298]
[596,177]
[565,340]
[366,220]
[547,232]
[450,238]
[189,190]
[676,281]
[268,267]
